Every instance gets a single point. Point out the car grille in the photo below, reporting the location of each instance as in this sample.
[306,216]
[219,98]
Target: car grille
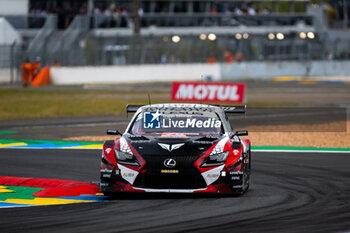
[188,177]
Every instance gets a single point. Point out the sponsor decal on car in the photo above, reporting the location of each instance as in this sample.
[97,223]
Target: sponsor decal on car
[155,120]
[151,120]
[128,174]
[191,123]
[169,171]
[235,177]
[108,150]
[213,175]
[235,152]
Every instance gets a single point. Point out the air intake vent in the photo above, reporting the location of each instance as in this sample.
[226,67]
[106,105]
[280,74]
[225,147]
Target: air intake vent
[236,145]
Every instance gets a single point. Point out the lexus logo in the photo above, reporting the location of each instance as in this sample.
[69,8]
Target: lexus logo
[169,147]
[169,163]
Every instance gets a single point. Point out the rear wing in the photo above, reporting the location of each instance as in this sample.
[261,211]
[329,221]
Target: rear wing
[234,109]
[132,108]
[227,109]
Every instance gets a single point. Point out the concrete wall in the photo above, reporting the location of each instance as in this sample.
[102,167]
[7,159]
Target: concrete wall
[188,72]
[144,73]
[5,75]
[266,70]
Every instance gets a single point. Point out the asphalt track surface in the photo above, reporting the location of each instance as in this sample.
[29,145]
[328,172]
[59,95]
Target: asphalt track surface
[290,192]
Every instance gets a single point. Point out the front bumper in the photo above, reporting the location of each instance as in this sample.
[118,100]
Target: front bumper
[111,181]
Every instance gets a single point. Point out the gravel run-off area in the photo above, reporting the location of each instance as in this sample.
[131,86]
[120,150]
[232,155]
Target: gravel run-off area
[276,138]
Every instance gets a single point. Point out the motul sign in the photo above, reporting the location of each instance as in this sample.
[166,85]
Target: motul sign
[208,92]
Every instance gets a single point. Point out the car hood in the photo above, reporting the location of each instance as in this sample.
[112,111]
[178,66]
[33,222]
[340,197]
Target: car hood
[169,146]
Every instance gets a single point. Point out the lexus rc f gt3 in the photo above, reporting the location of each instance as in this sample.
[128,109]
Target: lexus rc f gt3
[177,148]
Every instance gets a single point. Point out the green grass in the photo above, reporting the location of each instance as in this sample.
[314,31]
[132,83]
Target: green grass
[47,103]
[17,104]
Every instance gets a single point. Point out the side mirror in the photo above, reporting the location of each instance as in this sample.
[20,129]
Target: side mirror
[113,132]
[242,133]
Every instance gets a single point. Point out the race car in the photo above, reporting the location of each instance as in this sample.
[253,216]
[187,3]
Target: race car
[179,148]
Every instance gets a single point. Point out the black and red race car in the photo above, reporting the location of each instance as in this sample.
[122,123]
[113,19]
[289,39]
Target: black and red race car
[177,148]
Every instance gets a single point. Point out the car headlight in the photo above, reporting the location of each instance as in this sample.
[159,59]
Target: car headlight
[126,158]
[215,159]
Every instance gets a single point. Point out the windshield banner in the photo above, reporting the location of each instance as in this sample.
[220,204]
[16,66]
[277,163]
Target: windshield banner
[208,92]
[155,120]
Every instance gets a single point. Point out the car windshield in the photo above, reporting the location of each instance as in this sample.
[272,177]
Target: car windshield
[181,122]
